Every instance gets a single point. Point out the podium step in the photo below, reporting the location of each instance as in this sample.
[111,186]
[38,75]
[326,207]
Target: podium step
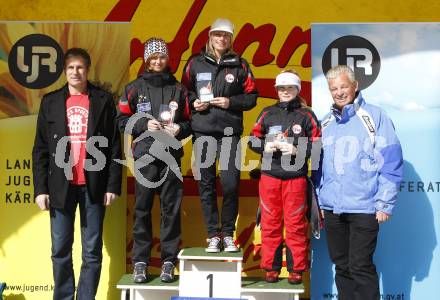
[259,285]
[153,283]
[199,253]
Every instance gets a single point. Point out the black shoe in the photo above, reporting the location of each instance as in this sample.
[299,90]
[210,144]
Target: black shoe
[140,272]
[167,274]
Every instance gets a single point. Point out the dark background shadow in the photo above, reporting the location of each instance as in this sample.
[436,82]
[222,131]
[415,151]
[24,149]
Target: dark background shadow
[406,243]
[404,251]
[321,274]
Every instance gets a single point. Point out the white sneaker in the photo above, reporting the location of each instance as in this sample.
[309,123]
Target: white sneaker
[228,244]
[213,245]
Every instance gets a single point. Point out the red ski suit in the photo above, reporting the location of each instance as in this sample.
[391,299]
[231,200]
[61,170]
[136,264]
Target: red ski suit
[283,189]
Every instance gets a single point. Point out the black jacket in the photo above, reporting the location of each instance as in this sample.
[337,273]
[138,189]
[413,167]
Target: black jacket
[146,94]
[52,126]
[295,122]
[231,78]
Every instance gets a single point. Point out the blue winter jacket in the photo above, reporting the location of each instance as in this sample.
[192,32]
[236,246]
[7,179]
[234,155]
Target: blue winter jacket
[362,164]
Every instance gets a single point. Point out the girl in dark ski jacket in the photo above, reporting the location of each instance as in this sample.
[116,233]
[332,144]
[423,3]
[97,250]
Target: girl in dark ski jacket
[283,135]
[223,87]
[165,105]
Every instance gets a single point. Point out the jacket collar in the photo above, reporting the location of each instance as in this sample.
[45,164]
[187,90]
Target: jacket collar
[159,79]
[228,59]
[348,110]
[291,105]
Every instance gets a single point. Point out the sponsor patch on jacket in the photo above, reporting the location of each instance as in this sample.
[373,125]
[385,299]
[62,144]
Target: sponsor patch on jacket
[368,122]
[204,76]
[296,128]
[173,105]
[275,129]
[143,107]
[229,78]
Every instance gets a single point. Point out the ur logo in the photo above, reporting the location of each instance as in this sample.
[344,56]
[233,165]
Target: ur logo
[36,61]
[357,53]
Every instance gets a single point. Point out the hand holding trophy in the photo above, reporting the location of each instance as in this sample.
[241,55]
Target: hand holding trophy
[167,116]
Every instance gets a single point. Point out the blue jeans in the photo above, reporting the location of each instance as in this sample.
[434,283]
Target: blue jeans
[62,223]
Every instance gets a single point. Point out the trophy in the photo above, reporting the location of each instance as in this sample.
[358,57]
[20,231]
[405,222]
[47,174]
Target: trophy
[281,138]
[165,115]
[173,107]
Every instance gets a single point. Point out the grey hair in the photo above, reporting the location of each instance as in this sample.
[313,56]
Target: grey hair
[339,70]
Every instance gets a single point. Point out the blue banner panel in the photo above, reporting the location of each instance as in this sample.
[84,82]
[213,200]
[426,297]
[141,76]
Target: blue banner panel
[398,67]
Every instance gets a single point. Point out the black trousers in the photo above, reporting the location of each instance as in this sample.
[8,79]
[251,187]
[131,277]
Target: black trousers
[351,240]
[170,193]
[224,149]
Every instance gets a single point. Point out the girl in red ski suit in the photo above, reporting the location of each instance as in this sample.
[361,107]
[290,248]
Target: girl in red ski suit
[283,135]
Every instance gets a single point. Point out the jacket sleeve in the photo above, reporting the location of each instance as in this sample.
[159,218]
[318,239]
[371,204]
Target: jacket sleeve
[127,108]
[313,133]
[248,99]
[40,154]
[316,174]
[115,169]
[258,134]
[389,156]
[188,82]
[185,125]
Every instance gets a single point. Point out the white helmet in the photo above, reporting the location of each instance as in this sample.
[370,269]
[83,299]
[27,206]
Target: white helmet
[288,78]
[222,25]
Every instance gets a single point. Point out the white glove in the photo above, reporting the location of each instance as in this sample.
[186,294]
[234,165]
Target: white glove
[172,129]
[270,147]
[287,149]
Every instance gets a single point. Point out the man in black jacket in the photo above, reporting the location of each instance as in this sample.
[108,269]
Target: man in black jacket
[76,144]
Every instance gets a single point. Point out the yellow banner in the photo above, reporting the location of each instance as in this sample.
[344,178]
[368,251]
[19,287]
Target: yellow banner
[31,56]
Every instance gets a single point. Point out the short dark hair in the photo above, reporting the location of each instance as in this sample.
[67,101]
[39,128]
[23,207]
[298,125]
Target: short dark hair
[72,52]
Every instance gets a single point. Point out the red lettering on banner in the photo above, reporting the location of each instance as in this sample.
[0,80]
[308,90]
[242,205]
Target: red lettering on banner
[136,50]
[247,35]
[245,241]
[200,41]
[123,11]
[296,38]
[180,43]
[264,35]
[243,238]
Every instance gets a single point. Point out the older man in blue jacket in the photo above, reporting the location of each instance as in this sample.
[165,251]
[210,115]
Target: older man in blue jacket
[362,167]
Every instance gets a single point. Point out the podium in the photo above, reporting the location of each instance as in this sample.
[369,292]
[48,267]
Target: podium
[204,274]
[209,275]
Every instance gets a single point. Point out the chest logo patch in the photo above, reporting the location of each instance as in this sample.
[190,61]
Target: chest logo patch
[276,129]
[144,107]
[229,78]
[296,128]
